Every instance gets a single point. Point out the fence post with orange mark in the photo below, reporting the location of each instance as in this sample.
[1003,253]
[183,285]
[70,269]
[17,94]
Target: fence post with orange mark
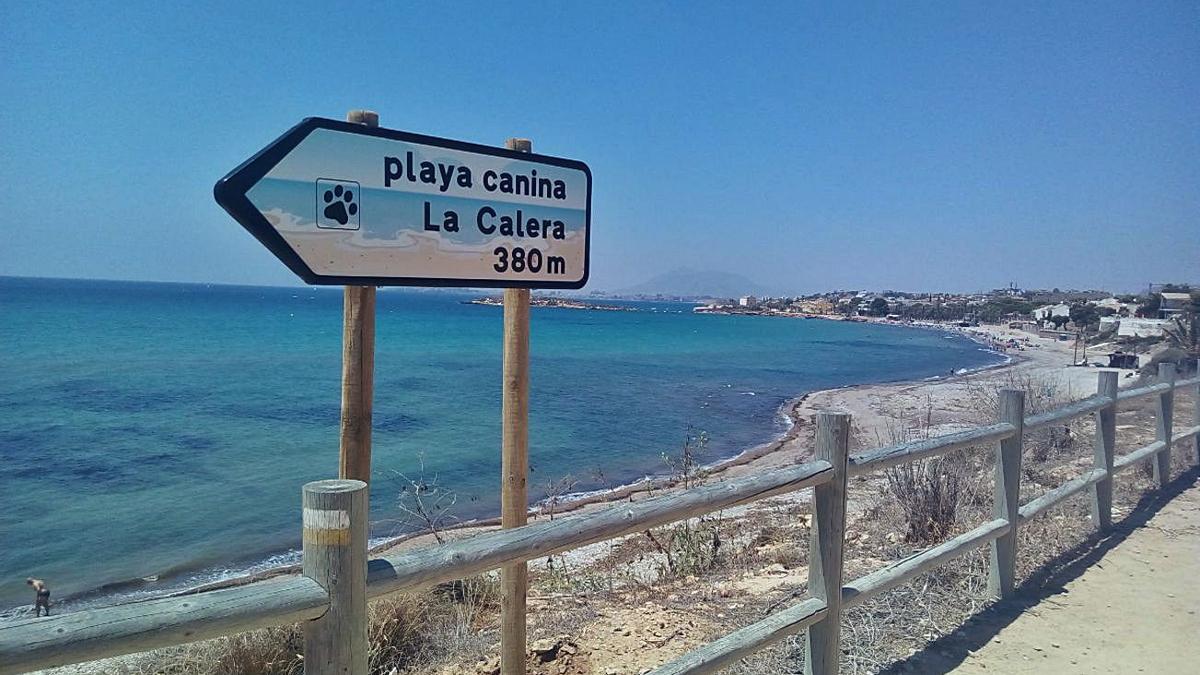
[335,556]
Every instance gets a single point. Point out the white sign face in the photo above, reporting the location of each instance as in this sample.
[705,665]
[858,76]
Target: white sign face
[341,203]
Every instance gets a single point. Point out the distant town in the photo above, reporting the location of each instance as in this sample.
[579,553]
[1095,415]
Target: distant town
[1134,315]
[1151,314]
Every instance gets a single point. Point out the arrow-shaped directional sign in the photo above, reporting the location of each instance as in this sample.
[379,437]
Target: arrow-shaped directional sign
[342,203]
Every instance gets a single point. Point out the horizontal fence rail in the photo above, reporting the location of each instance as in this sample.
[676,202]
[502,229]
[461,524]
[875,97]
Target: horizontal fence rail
[1067,412]
[1125,461]
[883,458]
[1058,494]
[1190,432]
[866,587]
[92,634]
[742,643]
[37,643]
[1140,392]
[484,552]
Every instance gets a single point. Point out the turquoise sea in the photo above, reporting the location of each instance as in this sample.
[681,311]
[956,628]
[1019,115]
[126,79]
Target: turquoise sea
[155,436]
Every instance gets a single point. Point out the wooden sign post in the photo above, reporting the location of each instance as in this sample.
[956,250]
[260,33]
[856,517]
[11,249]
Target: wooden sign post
[514,496]
[358,365]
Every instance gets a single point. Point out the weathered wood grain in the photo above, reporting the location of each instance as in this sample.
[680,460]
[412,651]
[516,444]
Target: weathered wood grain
[335,556]
[882,458]
[1184,434]
[514,497]
[1195,413]
[358,382]
[1104,445]
[1189,382]
[1002,572]
[90,634]
[1164,414]
[1145,452]
[1058,494]
[1069,411]
[487,551]
[741,643]
[1139,392]
[823,645]
[358,364]
[868,586]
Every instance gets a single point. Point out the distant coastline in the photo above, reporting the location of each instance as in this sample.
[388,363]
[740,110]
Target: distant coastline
[553,301]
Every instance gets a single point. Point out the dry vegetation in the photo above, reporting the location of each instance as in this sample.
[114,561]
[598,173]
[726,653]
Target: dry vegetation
[628,605]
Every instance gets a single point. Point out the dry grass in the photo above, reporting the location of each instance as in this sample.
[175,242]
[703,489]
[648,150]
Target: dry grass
[405,633]
[927,493]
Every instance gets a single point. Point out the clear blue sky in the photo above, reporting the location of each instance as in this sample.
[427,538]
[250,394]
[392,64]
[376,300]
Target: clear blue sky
[887,145]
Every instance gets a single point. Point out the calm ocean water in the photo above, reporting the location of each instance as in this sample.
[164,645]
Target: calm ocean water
[154,436]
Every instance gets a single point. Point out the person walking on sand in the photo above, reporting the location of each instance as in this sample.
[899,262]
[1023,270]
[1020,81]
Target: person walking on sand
[43,596]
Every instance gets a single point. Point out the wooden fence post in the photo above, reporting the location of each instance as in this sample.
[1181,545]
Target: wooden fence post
[823,639]
[514,496]
[358,364]
[1103,448]
[1196,415]
[335,556]
[1166,410]
[1002,574]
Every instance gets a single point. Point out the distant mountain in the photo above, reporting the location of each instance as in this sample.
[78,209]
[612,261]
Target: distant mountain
[689,282]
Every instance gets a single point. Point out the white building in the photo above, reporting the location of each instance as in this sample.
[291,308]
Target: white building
[1044,313]
[1141,327]
[1172,304]
[747,301]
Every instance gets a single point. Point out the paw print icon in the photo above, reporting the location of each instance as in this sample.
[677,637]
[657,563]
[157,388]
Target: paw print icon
[338,204]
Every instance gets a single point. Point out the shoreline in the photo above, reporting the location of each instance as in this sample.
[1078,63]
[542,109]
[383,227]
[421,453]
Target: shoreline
[790,446]
[787,447]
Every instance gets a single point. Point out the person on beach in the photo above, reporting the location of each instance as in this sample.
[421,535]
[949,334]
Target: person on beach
[43,596]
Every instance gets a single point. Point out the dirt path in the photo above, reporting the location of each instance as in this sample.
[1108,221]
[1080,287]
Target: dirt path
[1133,610]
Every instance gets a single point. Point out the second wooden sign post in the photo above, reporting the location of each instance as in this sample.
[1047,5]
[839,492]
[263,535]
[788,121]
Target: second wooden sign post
[514,493]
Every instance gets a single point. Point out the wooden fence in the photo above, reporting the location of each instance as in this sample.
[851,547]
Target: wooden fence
[330,596]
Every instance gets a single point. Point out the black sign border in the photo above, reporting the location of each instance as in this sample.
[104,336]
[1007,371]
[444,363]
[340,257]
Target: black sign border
[230,193]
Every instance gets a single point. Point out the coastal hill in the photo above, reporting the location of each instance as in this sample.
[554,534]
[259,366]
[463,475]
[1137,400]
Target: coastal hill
[687,282]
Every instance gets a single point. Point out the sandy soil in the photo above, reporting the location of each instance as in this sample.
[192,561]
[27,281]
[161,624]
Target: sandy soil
[1133,610]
